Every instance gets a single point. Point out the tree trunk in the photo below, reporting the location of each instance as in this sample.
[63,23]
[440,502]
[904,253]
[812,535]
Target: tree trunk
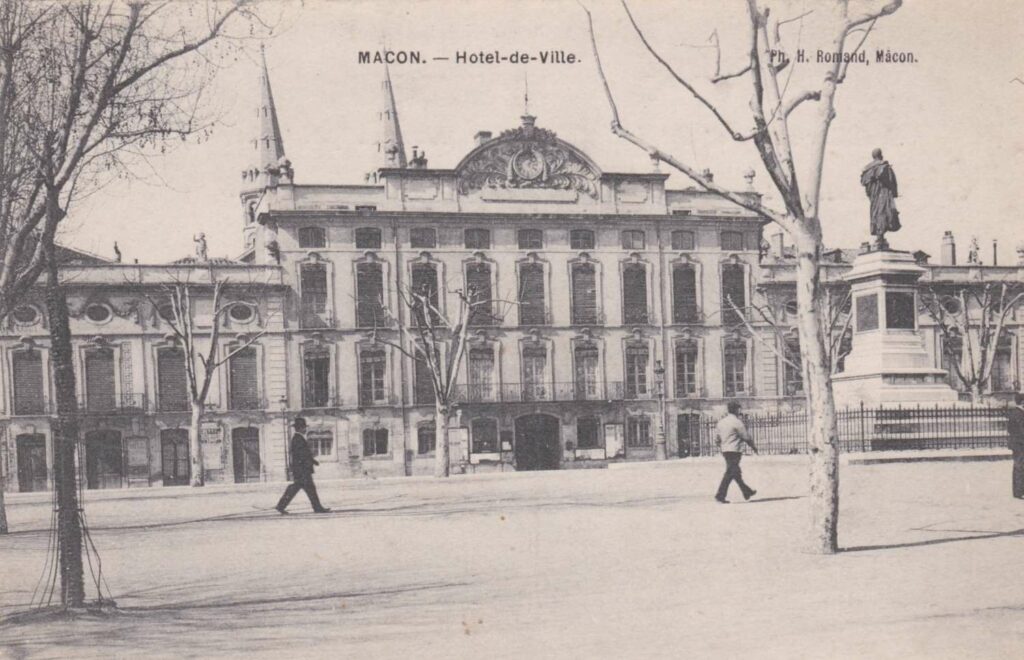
[977,392]
[65,439]
[442,452]
[195,448]
[823,435]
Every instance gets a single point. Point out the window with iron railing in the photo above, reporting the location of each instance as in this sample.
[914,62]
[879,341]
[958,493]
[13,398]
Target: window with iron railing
[586,367]
[535,361]
[316,378]
[100,392]
[481,374]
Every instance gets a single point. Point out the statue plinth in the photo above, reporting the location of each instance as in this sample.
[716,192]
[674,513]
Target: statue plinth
[888,363]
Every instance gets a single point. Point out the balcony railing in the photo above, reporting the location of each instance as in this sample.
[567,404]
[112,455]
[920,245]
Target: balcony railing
[544,391]
[246,403]
[127,403]
[316,401]
[314,316]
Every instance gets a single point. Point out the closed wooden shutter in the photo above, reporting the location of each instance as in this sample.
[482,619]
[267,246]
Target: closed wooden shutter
[584,294]
[369,295]
[684,294]
[171,380]
[99,380]
[28,383]
[244,381]
[634,293]
[531,295]
[734,293]
[478,288]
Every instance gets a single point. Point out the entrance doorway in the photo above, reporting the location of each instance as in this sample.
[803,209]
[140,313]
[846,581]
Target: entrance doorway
[245,448]
[104,459]
[688,434]
[537,446]
[174,456]
[31,462]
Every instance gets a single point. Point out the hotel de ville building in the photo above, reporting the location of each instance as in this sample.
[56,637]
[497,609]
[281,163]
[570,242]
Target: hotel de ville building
[612,322]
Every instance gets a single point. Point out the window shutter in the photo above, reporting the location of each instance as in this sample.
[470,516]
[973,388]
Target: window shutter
[478,287]
[733,289]
[584,295]
[28,383]
[634,293]
[171,380]
[424,282]
[684,294]
[369,295]
[531,294]
[244,380]
[99,380]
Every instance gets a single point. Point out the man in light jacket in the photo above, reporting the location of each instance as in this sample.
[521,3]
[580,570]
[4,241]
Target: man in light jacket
[731,436]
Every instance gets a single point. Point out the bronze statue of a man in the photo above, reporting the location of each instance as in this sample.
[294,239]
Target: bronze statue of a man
[879,183]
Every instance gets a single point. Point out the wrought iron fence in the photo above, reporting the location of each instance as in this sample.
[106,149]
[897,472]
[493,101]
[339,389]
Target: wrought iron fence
[547,391]
[862,429]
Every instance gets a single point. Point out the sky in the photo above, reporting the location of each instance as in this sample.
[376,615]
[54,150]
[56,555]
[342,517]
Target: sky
[949,123]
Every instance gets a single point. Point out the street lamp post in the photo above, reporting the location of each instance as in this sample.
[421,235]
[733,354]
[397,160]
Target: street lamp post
[660,450]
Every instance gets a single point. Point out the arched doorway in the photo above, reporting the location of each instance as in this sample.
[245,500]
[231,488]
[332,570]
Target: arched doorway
[537,446]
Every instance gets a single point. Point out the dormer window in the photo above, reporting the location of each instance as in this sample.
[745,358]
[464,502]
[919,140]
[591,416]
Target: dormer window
[312,237]
[368,238]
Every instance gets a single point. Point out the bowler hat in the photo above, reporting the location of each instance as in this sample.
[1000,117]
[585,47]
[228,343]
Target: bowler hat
[299,422]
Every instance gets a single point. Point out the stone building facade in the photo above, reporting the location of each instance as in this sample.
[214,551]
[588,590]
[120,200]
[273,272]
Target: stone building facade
[612,323]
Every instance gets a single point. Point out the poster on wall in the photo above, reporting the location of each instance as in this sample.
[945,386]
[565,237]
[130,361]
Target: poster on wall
[213,444]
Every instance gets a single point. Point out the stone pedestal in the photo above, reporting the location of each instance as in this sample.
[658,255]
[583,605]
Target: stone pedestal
[889,364]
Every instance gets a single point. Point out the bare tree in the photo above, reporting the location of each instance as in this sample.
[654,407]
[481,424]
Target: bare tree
[772,107]
[439,342]
[972,321]
[202,351]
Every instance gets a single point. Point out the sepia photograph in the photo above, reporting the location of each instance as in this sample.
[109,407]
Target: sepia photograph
[511,329]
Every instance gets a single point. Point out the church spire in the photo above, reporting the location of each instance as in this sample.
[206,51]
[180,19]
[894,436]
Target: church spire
[390,147]
[268,163]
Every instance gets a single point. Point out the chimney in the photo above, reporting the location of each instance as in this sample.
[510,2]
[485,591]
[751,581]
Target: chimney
[948,256]
[995,252]
[481,137]
[778,244]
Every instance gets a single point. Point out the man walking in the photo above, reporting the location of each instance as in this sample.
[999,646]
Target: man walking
[1015,429]
[731,435]
[302,470]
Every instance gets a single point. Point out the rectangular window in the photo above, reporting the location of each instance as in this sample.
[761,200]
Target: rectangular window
[99,380]
[734,359]
[531,239]
[634,294]
[424,290]
[684,294]
[423,237]
[581,239]
[793,372]
[316,378]
[478,290]
[535,360]
[731,241]
[633,239]
[485,436]
[243,380]
[370,295]
[586,365]
[584,294]
[423,383]
[481,374]
[683,240]
[636,372]
[588,433]
[734,293]
[171,384]
[312,237]
[426,439]
[478,239]
[531,295]
[321,442]
[368,238]
[28,382]
[372,365]
[375,442]
[686,369]
[313,291]
[638,432]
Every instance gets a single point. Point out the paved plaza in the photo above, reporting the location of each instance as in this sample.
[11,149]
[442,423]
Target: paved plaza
[637,561]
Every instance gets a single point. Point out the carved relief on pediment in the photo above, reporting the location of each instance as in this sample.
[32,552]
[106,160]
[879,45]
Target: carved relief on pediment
[528,157]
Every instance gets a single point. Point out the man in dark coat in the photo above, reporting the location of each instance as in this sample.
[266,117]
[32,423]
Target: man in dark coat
[302,470]
[1015,429]
[879,183]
